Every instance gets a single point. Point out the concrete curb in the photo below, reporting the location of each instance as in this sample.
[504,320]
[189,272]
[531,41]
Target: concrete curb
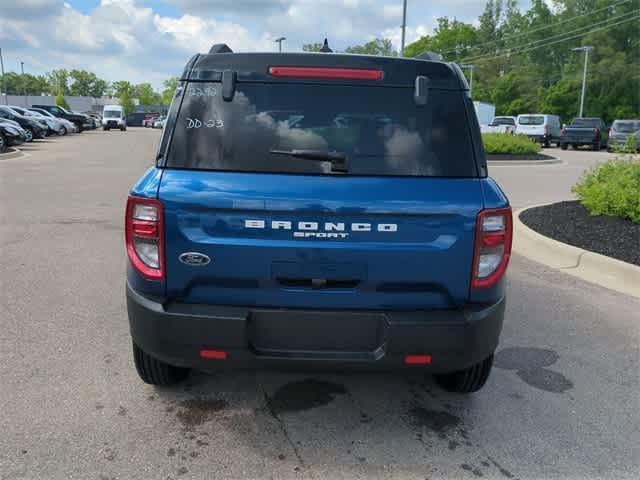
[595,268]
[12,153]
[508,163]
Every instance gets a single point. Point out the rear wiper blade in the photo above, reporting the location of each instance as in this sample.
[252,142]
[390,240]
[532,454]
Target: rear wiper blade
[339,160]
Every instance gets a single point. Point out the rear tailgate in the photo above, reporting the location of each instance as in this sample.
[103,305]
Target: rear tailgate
[339,242]
[579,135]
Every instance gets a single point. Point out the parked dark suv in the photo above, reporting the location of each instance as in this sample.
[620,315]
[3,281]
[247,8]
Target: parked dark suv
[318,211]
[81,121]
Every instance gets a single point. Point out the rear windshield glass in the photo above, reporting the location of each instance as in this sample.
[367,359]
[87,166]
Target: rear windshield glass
[585,122]
[379,130]
[503,121]
[629,126]
[531,120]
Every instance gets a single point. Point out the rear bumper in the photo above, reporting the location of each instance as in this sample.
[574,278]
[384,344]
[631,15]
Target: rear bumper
[257,337]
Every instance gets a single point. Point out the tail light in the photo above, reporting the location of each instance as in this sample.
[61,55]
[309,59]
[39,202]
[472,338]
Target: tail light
[144,233]
[546,129]
[596,132]
[610,130]
[494,231]
[563,132]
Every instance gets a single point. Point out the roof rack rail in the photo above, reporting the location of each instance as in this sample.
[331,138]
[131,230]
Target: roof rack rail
[220,48]
[433,56]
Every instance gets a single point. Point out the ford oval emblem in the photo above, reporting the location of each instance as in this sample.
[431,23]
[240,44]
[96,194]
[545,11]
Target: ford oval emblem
[194,258]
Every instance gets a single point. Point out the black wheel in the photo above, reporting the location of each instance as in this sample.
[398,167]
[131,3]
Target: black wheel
[546,144]
[596,147]
[63,132]
[468,380]
[3,145]
[574,146]
[564,146]
[155,372]
[29,135]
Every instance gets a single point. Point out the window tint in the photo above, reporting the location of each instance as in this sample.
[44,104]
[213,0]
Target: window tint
[626,126]
[380,130]
[531,120]
[586,122]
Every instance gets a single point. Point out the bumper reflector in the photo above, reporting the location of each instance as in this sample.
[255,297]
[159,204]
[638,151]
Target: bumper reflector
[417,359]
[213,354]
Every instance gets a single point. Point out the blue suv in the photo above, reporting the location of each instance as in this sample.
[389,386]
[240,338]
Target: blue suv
[321,211]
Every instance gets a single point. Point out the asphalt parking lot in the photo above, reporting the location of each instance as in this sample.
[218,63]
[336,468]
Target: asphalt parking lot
[562,402]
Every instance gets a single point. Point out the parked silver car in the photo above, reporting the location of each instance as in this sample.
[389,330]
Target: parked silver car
[68,127]
[621,129]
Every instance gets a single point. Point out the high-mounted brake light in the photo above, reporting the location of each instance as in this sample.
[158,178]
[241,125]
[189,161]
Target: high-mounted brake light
[494,231]
[327,73]
[144,235]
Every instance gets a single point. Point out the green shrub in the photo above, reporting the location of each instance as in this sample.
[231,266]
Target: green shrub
[612,188]
[506,143]
[630,145]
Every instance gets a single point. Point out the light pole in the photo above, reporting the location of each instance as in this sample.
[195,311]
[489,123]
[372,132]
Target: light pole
[470,67]
[279,42]
[4,84]
[404,26]
[24,84]
[586,51]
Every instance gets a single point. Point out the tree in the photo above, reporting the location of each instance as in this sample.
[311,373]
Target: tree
[18,84]
[121,86]
[60,100]
[126,102]
[81,82]
[379,46]
[98,88]
[451,38]
[58,80]
[170,86]
[146,95]
[311,47]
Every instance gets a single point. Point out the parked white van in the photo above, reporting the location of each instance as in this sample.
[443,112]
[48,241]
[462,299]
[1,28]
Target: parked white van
[540,127]
[113,117]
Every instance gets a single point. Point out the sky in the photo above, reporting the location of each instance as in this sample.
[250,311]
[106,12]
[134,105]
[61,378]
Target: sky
[151,40]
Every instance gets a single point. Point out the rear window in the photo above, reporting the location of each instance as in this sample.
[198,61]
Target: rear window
[380,130]
[585,122]
[629,126]
[531,120]
[503,121]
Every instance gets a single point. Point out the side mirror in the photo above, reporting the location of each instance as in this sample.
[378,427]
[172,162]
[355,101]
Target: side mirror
[421,93]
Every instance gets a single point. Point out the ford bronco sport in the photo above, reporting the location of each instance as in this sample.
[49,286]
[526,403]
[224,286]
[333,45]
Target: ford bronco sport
[318,210]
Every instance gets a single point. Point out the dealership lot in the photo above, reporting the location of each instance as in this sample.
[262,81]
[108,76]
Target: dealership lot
[562,402]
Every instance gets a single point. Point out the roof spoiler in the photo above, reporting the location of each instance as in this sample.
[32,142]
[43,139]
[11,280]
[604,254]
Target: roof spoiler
[220,48]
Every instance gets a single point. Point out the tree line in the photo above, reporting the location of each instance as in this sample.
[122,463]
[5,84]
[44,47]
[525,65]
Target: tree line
[523,61]
[61,82]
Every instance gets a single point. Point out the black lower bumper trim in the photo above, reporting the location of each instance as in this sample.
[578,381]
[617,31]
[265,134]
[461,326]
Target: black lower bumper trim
[276,338]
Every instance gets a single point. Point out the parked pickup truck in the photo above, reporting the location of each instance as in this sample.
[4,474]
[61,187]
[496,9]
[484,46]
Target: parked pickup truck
[500,125]
[584,131]
[81,121]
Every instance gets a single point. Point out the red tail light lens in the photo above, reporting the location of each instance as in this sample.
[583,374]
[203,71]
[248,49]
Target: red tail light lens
[144,235]
[546,129]
[494,231]
[596,131]
[563,131]
[326,73]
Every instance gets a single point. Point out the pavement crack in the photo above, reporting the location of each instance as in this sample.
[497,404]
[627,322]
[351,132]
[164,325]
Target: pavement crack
[571,267]
[283,428]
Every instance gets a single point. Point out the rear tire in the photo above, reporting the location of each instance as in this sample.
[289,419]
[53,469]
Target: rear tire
[155,372]
[3,145]
[596,147]
[468,380]
[564,146]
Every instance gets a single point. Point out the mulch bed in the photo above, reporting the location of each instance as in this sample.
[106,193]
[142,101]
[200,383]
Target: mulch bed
[518,156]
[570,222]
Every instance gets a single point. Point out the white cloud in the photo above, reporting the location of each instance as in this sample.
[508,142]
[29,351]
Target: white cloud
[134,40]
